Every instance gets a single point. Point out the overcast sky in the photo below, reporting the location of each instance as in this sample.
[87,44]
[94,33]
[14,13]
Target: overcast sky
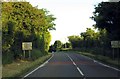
[73,16]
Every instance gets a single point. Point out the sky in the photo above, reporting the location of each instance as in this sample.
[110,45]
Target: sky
[73,16]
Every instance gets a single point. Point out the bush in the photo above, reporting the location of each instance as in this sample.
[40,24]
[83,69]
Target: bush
[36,54]
[7,58]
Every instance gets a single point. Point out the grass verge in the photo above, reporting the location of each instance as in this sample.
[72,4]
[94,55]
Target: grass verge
[16,69]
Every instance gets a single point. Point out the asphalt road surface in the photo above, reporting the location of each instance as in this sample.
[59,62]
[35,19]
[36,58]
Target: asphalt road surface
[73,65]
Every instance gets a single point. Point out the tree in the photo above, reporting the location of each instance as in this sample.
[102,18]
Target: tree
[51,48]
[95,42]
[57,45]
[74,40]
[106,16]
[21,22]
[89,37]
[67,45]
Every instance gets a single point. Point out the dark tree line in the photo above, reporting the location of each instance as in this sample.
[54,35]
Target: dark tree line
[90,41]
[106,16]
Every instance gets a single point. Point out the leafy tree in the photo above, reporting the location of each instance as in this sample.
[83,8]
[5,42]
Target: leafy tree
[88,37]
[57,45]
[74,40]
[51,48]
[106,16]
[67,45]
[21,22]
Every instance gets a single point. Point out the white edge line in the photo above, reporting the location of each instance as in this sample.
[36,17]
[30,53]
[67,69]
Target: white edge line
[107,66]
[80,71]
[75,65]
[102,63]
[38,67]
[70,57]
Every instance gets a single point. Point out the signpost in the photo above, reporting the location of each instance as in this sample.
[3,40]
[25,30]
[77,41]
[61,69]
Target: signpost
[115,44]
[27,46]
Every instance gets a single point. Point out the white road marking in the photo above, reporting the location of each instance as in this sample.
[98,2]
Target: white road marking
[38,67]
[101,63]
[107,66]
[80,71]
[94,60]
[75,65]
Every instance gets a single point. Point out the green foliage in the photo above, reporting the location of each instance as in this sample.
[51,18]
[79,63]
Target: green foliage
[36,54]
[86,39]
[51,48]
[7,58]
[57,45]
[74,40]
[47,41]
[67,45]
[21,22]
[106,16]
[91,41]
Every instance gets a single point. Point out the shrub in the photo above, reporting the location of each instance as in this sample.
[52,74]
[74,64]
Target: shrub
[7,58]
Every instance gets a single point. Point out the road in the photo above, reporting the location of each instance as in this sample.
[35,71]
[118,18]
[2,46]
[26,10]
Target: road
[73,65]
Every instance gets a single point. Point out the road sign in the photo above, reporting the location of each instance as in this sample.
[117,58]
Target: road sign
[115,44]
[26,45]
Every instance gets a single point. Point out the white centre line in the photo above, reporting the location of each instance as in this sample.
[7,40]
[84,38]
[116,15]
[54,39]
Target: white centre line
[38,67]
[75,65]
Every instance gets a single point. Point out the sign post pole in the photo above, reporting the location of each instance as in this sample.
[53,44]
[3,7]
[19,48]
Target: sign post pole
[27,46]
[29,54]
[24,53]
[115,44]
[118,54]
[113,53]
